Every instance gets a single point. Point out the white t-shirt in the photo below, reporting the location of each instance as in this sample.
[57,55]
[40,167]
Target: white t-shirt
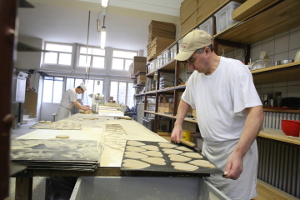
[68,97]
[220,99]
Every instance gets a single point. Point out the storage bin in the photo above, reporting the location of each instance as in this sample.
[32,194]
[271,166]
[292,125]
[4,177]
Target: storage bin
[159,188]
[224,16]
[207,26]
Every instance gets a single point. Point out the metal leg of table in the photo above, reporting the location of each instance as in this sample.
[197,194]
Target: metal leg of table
[23,188]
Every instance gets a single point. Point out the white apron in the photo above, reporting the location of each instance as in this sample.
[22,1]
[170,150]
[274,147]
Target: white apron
[62,113]
[244,188]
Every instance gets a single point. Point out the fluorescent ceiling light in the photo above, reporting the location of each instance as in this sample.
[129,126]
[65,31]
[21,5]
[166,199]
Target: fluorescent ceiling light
[104,3]
[103,38]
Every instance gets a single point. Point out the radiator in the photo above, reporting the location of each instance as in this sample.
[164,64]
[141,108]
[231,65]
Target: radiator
[273,119]
[279,165]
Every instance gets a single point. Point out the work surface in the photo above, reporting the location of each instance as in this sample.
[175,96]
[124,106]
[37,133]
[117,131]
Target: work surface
[103,130]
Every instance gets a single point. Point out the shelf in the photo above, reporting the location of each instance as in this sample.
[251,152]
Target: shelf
[138,95]
[276,134]
[168,90]
[148,111]
[151,92]
[170,66]
[281,110]
[280,73]
[139,85]
[166,115]
[193,120]
[277,19]
[151,74]
[179,87]
[139,73]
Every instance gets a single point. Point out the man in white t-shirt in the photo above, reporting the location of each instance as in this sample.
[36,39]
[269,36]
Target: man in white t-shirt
[69,100]
[229,114]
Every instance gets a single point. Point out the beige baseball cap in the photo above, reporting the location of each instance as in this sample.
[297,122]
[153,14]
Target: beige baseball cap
[194,40]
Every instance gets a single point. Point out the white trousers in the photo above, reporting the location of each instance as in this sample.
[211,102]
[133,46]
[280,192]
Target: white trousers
[62,113]
[244,188]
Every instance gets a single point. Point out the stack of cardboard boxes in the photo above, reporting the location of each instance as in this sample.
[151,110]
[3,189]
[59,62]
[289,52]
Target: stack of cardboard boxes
[193,12]
[161,35]
[138,65]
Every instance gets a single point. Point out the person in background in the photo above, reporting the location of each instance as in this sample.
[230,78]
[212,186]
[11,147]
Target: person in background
[229,114]
[69,100]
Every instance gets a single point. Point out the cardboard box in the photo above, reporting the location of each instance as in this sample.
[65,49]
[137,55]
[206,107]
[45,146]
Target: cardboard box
[137,67]
[141,79]
[165,107]
[161,29]
[187,8]
[139,59]
[189,24]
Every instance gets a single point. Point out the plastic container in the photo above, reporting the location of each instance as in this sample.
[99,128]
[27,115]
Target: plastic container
[187,135]
[290,127]
[224,16]
[207,26]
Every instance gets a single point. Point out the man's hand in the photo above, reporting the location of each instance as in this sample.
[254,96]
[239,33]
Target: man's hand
[176,133]
[234,166]
[86,108]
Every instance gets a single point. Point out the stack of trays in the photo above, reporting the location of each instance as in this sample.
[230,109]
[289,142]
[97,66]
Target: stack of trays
[56,154]
[165,157]
[56,125]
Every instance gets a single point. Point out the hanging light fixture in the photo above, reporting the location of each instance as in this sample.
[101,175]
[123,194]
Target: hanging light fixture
[104,3]
[103,37]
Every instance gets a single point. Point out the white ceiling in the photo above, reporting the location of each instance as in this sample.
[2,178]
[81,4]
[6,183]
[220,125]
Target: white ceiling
[66,21]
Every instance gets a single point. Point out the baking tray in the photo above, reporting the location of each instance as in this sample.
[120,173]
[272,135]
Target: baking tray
[168,168]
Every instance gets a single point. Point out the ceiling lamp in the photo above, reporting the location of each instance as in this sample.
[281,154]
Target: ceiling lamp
[104,3]
[103,37]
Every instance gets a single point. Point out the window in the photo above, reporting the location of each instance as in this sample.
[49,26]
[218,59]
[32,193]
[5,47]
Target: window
[73,83]
[93,86]
[91,57]
[122,59]
[52,89]
[61,55]
[122,92]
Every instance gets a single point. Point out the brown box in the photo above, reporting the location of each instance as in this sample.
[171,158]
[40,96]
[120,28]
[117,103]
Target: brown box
[137,67]
[141,79]
[161,29]
[165,107]
[189,24]
[139,59]
[187,8]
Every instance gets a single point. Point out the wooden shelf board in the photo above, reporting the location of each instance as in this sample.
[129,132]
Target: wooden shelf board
[168,89]
[277,19]
[151,92]
[137,95]
[166,115]
[193,120]
[169,66]
[148,111]
[139,73]
[280,73]
[276,134]
[139,85]
[281,110]
[180,87]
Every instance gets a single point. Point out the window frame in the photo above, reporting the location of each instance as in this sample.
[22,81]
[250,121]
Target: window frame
[92,56]
[124,59]
[63,87]
[58,54]
[127,86]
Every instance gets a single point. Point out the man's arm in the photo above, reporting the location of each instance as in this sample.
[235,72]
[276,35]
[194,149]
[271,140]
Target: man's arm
[79,106]
[181,113]
[251,129]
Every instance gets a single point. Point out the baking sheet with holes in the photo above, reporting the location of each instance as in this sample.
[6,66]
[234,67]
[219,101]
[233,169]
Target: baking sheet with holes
[168,167]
